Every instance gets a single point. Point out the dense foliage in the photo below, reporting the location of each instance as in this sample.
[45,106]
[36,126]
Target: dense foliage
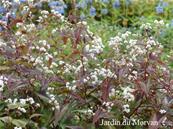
[57,71]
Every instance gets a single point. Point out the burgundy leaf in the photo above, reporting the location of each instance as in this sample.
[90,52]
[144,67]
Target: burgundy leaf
[105,89]
[78,97]
[99,114]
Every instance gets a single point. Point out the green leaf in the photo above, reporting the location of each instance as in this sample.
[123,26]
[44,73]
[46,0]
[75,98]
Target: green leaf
[44,98]
[19,122]
[60,114]
[2,125]
[35,115]
[14,106]
[4,68]
[6,119]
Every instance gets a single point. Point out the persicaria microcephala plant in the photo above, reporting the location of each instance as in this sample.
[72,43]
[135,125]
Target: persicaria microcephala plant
[55,72]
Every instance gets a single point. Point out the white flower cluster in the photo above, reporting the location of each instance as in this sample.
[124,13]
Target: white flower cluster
[115,41]
[30,27]
[44,13]
[112,92]
[135,49]
[22,102]
[133,76]
[22,109]
[44,46]
[121,38]
[2,44]
[159,23]
[17,127]
[151,42]
[96,47]
[126,35]
[105,73]
[19,24]
[19,1]
[127,93]
[128,48]
[3,81]
[82,23]
[22,37]
[52,99]
[68,68]
[26,9]
[89,112]
[44,58]
[6,3]
[162,111]
[146,26]
[71,86]
[81,65]
[99,74]
[54,30]
[108,105]
[126,108]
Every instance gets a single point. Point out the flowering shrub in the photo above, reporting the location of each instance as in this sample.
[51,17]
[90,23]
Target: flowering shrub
[56,74]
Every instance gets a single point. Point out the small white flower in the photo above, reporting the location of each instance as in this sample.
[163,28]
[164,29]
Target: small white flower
[15,101]
[112,92]
[31,100]
[162,111]
[127,94]
[23,101]
[42,49]
[87,48]
[54,31]
[37,105]
[22,109]
[126,108]
[61,62]
[17,127]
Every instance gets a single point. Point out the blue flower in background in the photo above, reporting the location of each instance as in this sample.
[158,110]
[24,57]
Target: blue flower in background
[4,18]
[82,4]
[165,4]
[159,9]
[57,6]
[59,9]
[89,1]
[38,5]
[104,11]
[105,1]
[116,4]
[2,10]
[65,6]
[171,24]
[22,1]
[53,3]
[1,28]
[92,11]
